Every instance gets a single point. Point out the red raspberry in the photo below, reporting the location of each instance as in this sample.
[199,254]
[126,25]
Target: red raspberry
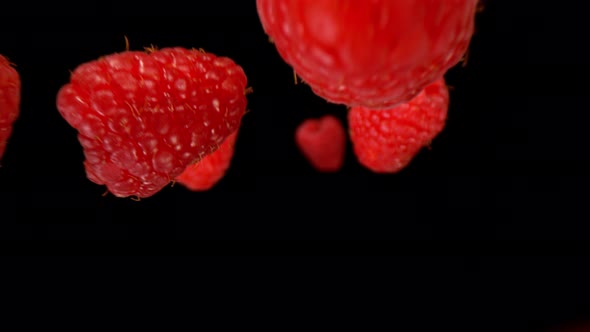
[386,141]
[372,53]
[323,142]
[143,117]
[206,173]
[10,86]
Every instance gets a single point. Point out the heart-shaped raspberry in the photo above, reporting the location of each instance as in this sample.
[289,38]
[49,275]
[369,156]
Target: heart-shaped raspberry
[323,142]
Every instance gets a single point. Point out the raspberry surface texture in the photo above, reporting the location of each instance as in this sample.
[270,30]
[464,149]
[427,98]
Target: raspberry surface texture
[10,90]
[386,141]
[322,141]
[206,173]
[143,117]
[371,53]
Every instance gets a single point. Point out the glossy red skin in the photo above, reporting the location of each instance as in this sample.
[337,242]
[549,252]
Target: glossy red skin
[386,141]
[323,142]
[371,53]
[143,117]
[205,174]
[10,94]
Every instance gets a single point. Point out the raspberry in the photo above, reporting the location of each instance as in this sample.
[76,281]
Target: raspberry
[323,142]
[143,117]
[206,173]
[10,86]
[386,141]
[372,53]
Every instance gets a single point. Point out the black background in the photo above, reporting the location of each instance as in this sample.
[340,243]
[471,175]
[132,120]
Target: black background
[511,165]
[504,187]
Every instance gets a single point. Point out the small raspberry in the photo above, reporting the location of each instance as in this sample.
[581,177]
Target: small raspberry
[323,142]
[386,141]
[206,173]
[376,53]
[10,86]
[143,117]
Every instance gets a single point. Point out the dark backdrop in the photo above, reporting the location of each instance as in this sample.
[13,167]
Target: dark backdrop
[508,176]
[510,164]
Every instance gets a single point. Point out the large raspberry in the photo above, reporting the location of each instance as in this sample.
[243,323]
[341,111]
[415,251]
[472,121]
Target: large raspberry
[386,141]
[372,53]
[143,117]
[10,86]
